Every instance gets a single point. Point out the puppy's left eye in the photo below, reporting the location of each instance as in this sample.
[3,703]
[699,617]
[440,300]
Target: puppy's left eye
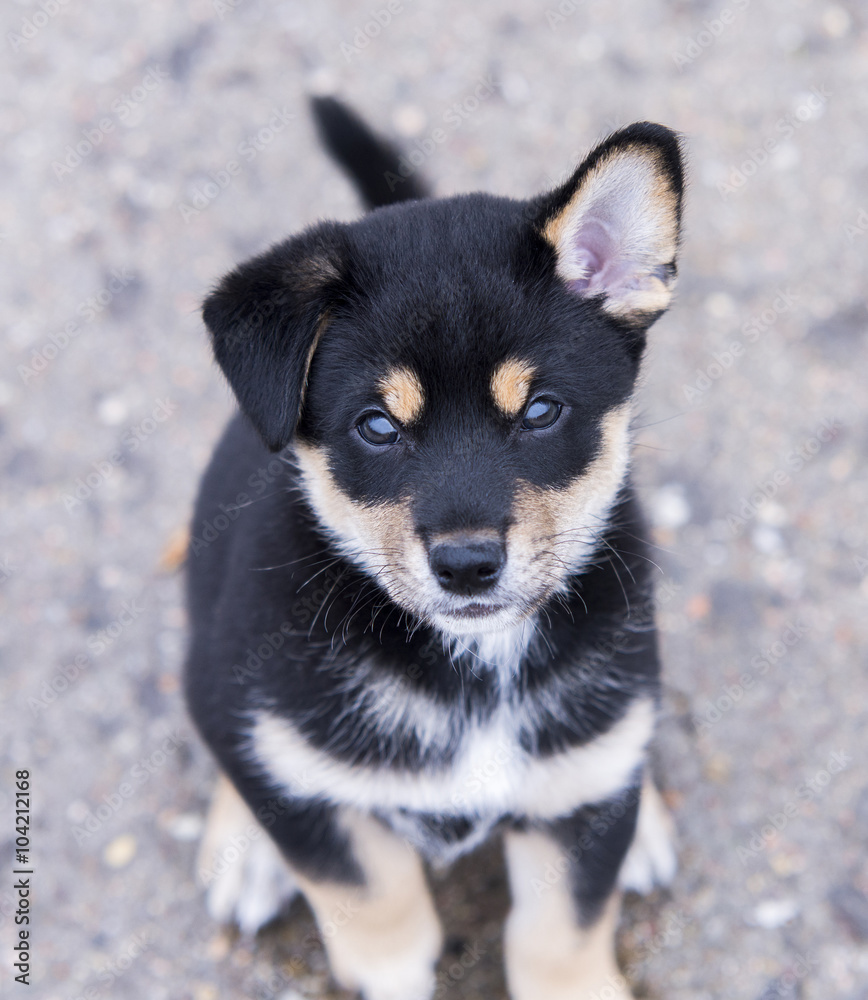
[377,429]
[541,413]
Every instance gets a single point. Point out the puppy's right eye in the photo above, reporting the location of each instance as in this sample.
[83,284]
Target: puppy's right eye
[377,429]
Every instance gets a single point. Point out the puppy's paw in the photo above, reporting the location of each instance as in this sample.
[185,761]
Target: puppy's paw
[247,880]
[651,860]
[408,979]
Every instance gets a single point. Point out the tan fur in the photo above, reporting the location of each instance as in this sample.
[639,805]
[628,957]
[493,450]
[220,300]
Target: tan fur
[227,812]
[402,394]
[548,955]
[383,937]
[636,176]
[320,330]
[553,532]
[553,522]
[378,536]
[246,877]
[373,529]
[510,385]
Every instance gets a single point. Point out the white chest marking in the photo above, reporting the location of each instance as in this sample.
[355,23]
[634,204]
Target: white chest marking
[490,775]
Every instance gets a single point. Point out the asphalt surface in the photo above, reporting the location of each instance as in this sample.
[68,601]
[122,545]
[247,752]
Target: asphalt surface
[119,210]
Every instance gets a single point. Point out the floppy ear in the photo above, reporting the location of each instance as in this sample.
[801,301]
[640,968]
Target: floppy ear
[615,224]
[265,319]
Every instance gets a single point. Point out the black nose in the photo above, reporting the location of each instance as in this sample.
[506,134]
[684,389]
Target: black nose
[467,567]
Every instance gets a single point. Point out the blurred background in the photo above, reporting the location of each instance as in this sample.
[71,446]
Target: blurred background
[147,148]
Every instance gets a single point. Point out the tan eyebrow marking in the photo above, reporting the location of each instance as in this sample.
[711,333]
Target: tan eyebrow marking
[510,385]
[402,394]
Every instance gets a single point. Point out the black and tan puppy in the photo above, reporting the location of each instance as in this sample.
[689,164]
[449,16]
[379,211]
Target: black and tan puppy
[425,617]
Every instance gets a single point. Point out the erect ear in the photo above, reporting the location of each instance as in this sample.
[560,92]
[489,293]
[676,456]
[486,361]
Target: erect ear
[615,224]
[266,318]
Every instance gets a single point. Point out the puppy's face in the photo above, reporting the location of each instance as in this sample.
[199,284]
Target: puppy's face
[463,391]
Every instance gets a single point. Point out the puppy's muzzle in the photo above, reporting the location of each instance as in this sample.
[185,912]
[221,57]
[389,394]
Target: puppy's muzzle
[467,566]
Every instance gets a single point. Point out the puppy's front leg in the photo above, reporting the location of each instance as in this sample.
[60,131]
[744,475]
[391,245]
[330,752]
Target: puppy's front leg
[383,936]
[560,934]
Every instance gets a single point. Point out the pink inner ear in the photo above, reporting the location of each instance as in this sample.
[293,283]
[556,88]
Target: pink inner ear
[595,251]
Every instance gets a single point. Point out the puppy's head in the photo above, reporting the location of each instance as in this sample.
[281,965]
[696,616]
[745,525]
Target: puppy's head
[455,376]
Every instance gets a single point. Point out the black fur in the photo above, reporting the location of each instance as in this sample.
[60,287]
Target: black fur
[283,620]
[368,160]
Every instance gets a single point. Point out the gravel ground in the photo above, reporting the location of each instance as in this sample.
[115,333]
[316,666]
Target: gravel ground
[117,214]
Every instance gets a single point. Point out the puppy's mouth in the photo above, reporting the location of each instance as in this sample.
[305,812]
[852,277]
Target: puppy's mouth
[478,610]
[478,617]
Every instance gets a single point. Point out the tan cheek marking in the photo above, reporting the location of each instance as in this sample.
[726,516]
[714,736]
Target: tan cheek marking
[380,538]
[403,394]
[320,330]
[510,385]
[551,519]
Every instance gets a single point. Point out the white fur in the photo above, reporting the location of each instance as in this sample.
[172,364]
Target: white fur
[491,774]
[651,859]
[248,881]
[499,651]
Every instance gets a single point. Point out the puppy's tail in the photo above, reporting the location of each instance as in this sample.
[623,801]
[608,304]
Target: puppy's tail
[371,163]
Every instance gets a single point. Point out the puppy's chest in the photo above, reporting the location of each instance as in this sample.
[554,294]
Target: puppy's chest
[476,767]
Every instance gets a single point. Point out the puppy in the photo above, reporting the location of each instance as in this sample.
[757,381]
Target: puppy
[419,591]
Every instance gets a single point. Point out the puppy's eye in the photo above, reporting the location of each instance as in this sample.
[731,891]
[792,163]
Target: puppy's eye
[541,413]
[377,429]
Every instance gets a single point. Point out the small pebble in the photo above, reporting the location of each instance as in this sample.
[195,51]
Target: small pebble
[772,913]
[669,507]
[186,827]
[121,851]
